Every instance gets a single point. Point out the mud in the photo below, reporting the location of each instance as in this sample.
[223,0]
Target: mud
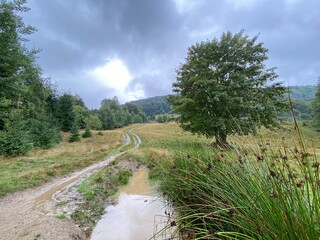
[139,213]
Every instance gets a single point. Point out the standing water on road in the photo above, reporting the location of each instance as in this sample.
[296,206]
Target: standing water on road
[139,214]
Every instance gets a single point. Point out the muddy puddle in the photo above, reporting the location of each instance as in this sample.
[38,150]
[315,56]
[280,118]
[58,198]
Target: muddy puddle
[139,214]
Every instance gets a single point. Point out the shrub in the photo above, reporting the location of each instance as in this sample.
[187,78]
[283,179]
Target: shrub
[15,141]
[43,133]
[87,133]
[123,176]
[75,135]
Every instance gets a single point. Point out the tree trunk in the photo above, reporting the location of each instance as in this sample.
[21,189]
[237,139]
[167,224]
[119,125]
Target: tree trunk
[221,140]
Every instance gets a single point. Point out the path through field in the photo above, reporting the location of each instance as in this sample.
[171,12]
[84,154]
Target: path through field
[30,214]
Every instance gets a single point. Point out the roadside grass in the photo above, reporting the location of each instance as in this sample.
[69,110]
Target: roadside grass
[265,187]
[38,166]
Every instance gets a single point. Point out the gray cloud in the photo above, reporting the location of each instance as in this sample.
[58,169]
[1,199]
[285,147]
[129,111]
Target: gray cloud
[151,38]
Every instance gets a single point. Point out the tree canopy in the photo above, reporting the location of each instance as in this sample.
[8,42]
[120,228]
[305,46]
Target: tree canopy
[25,120]
[154,106]
[222,88]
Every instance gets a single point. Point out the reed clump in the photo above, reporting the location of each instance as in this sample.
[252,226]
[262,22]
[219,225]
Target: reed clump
[266,191]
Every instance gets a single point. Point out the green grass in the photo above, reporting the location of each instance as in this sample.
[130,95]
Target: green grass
[265,187]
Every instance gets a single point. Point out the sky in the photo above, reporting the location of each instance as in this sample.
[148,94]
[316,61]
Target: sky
[130,48]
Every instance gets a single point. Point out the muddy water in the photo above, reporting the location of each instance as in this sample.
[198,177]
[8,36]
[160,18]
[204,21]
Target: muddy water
[138,215]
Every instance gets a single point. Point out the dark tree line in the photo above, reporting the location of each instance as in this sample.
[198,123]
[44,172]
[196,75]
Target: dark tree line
[155,105]
[25,120]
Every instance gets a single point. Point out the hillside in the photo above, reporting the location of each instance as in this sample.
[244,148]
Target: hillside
[155,105]
[301,96]
[303,93]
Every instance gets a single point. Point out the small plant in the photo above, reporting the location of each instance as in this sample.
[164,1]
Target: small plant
[87,133]
[75,135]
[62,215]
[100,133]
[37,236]
[123,176]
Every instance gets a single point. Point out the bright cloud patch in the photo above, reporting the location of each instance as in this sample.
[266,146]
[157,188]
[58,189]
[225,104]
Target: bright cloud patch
[115,75]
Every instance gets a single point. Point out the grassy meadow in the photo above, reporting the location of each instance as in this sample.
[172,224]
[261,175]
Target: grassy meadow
[265,187]
[41,165]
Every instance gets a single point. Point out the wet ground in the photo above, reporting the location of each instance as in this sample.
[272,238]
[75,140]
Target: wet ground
[139,214]
[30,214]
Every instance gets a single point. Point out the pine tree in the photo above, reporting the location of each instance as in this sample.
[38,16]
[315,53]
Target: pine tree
[75,135]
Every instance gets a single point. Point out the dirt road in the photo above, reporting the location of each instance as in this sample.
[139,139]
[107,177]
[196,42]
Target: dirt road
[30,214]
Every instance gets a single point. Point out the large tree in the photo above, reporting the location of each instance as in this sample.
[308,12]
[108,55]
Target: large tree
[222,88]
[25,118]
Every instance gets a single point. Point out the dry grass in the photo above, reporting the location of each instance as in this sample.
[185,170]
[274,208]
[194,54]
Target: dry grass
[156,154]
[172,138]
[40,165]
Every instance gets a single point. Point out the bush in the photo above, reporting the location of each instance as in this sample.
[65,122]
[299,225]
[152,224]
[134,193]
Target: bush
[75,135]
[87,133]
[43,133]
[15,141]
[123,176]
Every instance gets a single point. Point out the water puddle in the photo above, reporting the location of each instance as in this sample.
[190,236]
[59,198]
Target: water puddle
[48,195]
[139,214]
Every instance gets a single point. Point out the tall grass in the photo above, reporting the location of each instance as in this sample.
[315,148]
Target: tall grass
[262,190]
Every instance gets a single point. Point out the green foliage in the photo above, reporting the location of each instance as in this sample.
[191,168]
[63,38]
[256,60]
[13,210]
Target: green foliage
[113,115]
[65,112]
[221,89]
[303,93]
[15,140]
[124,176]
[43,133]
[301,97]
[75,135]
[162,118]
[87,133]
[154,106]
[24,110]
[93,122]
[80,115]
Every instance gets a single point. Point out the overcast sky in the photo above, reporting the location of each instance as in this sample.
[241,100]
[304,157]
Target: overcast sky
[130,48]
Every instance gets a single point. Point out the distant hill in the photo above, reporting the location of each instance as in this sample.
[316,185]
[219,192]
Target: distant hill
[155,105]
[300,95]
[301,100]
[303,93]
